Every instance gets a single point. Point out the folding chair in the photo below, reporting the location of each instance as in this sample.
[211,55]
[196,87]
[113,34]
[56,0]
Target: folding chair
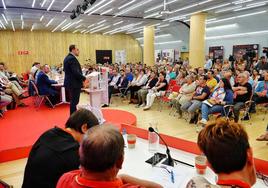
[164,99]
[40,98]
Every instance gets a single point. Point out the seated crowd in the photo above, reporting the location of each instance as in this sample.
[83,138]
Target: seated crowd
[221,87]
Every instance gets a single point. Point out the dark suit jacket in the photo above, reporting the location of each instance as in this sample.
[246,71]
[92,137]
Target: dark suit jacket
[152,82]
[73,72]
[53,154]
[44,84]
[124,83]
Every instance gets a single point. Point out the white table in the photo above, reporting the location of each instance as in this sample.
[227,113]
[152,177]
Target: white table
[134,164]
[95,97]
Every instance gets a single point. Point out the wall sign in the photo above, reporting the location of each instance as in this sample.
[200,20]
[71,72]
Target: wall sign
[23,52]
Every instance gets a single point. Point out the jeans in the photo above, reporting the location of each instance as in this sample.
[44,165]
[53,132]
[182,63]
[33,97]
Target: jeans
[206,110]
[237,107]
[191,106]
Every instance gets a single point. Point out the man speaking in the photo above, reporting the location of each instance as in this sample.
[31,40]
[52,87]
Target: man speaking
[73,80]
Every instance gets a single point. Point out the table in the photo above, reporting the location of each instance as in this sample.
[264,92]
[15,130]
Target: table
[95,97]
[63,93]
[134,165]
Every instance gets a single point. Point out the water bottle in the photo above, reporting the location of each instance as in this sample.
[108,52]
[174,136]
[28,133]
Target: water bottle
[153,140]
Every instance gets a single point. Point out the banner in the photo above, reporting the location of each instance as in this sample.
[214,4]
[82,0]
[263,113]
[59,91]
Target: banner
[104,56]
[216,52]
[248,51]
[120,56]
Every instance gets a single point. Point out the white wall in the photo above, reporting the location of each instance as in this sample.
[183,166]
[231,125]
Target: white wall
[228,44]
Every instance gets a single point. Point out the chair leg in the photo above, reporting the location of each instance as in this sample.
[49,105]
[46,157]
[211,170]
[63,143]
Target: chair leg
[49,102]
[41,100]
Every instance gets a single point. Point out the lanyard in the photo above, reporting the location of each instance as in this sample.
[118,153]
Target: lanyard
[233,183]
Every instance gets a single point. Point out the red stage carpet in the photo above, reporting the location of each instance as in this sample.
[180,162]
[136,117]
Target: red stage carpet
[20,128]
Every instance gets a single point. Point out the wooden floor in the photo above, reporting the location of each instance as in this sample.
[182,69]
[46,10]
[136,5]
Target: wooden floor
[12,172]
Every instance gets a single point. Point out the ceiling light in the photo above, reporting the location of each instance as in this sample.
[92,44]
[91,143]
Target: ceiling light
[1,23]
[184,8]
[67,6]
[218,6]
[86,32]
[93,7]
[165,25]
[157,36]
[133,7]
[241,1]
[106,27]
[5,18]
[105,12]
[222,27]
[159,6]
[227,9]
[91,25]
[249,6]
[12,26]
[59,25]
[49,22]
[96,27]
[33,3]
[118,22]
[78,26]
[41,18]
[4,5]
[83,31]
[237,35]
[95,10]
[70,25]
[169,42]
[151,15]
[22,25]
[101,22]
[75,31]
[67,25]
[43,3]
[21,17]
[126,4]
[49,7]
[235,17]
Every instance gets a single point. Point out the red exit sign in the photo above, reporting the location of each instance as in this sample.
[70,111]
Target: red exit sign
[23,52]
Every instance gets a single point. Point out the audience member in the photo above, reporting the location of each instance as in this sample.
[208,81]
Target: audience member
[208,63]
[242,93]
[136,84]
[221,96]
[261,93]
[44,85]
[201,93]
[212,82]
[158,90]
[56,151]
[262,64]
[185,94]
[226,146]
[101,157]
[112,83]
[142,93]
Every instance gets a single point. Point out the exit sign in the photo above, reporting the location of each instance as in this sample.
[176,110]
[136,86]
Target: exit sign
[23,52]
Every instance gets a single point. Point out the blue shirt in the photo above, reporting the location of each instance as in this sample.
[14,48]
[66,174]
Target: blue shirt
[129,76]
[261,86]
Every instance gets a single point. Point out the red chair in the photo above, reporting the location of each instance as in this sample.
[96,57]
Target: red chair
[164,99]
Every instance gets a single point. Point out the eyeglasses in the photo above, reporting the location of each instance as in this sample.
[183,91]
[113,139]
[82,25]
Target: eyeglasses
[263,177]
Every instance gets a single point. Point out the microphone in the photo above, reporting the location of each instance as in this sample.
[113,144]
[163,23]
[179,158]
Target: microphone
[169,160]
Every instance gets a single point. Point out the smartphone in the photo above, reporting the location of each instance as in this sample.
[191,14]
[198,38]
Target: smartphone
[156,158]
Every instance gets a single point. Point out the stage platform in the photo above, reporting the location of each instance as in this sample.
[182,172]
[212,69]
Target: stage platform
[20,128]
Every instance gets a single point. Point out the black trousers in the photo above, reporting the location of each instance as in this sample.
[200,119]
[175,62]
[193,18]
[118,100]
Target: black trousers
[257,100]
[133,89]
[74,98]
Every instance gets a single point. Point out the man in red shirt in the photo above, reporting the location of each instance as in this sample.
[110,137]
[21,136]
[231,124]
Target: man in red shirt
[101,157]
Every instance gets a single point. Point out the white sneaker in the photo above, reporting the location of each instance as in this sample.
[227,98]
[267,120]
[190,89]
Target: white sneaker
[203,121]
[146,108]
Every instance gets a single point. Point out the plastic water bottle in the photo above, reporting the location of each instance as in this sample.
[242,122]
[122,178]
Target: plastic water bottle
[153,140]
